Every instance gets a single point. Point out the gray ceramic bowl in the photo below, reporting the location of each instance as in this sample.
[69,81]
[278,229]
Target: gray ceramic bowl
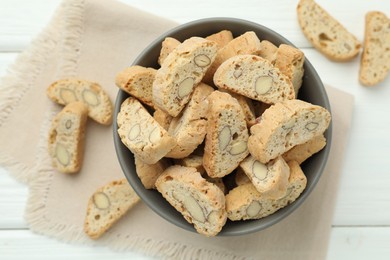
[312,91]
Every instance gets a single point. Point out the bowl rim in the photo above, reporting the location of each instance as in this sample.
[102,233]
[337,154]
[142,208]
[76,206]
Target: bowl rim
[281,213]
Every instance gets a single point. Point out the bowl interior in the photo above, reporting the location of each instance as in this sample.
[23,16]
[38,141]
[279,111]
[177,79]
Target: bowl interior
[312,91]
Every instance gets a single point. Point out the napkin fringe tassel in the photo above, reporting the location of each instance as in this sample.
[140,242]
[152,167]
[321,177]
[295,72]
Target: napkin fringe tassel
[21,76]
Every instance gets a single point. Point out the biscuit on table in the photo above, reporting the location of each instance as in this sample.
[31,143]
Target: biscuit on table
[66,138]
[107,205]
[325,33]
[66,91]
[375,61]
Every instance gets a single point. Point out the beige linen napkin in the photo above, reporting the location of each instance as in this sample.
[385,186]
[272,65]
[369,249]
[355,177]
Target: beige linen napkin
[94,39]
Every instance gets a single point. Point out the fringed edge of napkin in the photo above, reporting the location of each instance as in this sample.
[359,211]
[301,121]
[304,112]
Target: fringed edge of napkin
[21,76]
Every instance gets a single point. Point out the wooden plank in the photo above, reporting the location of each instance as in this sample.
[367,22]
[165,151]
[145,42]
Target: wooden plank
[346,243]
[21,20]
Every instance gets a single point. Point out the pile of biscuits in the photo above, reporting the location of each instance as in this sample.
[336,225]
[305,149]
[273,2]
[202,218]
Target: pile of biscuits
[83,99]
[335,42]
[221,106]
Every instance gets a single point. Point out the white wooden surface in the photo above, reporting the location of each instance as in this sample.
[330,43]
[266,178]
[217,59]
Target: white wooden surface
[361,226]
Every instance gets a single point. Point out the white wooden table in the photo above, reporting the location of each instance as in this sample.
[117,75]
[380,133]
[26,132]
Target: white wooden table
[361,225]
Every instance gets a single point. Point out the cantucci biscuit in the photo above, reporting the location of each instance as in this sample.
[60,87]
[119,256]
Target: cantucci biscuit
[227,135]
[241,178]
[289,60]
[107,205]
[245,202]
[325,33]
[222,38]
[255,78]
[66,91]
[180,72]
[375,61]
[301,152]
[269,179]
[194,161]
[200,202]
[285,125]
[141,133]
[247,43]
[137,81]
[148,173]
[167,46]
[268,51]
[189,129]
[66,138]
[164,119]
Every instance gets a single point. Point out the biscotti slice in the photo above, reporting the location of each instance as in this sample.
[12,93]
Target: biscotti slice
[163,118]
[189,129]
[268,51]
[269,179]
[66,91]
[241,178]
[304,151]
[107,205]
[325,33]
[285,125]
[221,38]
[66,138]
[255,78]
[227,135]
[245,202]
[137,81]
[247,43]
[167,46]
[289,61]
[375,61]
[200,202]
[141,133]
[180,72]
[148,173]
[194,161]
